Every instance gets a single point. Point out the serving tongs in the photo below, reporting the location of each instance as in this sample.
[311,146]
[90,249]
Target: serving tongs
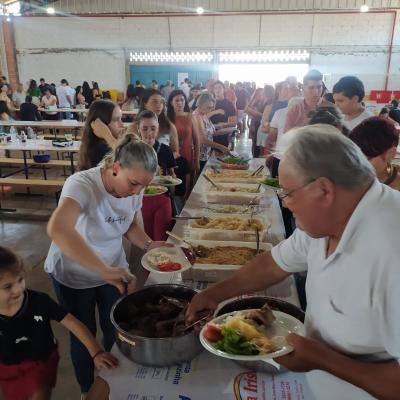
[190,253]
[258,171]
[184,217]
[208,315]
[211,181]
[257,241]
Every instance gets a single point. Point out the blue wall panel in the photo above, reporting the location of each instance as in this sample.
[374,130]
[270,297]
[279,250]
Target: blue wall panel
[199,73]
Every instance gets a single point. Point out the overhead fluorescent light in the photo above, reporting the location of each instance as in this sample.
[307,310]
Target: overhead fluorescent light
[199,10]
[50,10]
[364,8]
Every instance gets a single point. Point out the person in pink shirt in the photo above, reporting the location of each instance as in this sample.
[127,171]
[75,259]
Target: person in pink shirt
[299,115]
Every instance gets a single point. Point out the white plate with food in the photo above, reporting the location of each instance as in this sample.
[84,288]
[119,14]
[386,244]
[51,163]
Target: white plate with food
[250,335]
[154,190]
[166,260]
[167,181]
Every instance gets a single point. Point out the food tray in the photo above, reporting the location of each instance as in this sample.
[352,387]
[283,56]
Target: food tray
[242,176]
[227,209]
[217,272]
[233,197]
[225,234]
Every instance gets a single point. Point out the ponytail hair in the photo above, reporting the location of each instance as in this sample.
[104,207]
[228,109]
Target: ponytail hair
[130,150]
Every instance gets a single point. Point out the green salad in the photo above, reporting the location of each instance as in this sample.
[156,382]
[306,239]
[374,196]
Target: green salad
[234,160]
[234,343]
[154,189]
[274,182]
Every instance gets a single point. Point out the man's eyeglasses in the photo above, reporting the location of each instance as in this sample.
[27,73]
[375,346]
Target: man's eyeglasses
[282,194]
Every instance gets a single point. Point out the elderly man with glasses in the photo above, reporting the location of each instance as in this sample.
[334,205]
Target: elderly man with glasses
[347,241]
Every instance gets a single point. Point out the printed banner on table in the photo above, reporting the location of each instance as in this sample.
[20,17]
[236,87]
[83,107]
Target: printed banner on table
[206,377]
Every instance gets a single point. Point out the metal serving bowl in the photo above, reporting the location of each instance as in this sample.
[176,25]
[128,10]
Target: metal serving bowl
[154,352]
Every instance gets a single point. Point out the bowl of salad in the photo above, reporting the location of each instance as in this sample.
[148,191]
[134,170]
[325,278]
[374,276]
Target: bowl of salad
[234,162]
[271,183]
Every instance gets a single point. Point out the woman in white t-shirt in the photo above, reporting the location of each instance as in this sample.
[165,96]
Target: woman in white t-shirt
[86,258]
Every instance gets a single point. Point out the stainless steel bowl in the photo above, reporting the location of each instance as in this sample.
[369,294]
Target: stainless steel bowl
[248,303]
[155,352]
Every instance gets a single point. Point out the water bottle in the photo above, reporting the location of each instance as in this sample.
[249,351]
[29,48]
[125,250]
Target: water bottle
[30,133]
[13,133]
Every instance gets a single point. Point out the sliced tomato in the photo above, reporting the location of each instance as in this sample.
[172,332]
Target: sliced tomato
[169,266]
[213,333]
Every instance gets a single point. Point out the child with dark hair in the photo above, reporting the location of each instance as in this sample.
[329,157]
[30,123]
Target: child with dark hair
[28,349]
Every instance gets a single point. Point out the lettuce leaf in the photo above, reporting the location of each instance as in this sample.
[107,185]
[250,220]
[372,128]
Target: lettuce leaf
[235,343]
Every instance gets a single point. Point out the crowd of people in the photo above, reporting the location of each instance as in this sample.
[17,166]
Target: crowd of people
[23,103]
[334,160]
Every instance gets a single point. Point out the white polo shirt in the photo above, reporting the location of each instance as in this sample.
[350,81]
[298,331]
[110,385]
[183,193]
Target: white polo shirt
[353,296]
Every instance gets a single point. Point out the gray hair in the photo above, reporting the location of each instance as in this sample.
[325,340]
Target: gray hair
[204,98]
[130,150]
[323,151]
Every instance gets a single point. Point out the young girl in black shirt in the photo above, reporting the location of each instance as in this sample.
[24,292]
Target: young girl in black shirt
[28,349]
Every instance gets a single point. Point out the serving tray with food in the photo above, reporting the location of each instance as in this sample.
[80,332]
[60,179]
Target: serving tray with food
[235,176]
[234,193]
[235,227]
[270,183]
[217,260]
[234,162]
[232,209]
[250,335]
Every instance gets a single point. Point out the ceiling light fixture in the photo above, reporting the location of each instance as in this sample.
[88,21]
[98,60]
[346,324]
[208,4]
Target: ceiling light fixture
[50,10]
[200,10]
[364,8]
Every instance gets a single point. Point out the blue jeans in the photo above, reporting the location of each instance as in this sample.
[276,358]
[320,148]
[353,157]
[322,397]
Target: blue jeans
[81,303]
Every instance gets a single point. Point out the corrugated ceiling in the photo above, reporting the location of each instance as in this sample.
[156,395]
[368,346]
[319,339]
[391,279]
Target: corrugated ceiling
[216,6]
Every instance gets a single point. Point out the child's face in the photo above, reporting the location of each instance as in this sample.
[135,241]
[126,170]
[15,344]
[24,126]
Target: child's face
[12,287]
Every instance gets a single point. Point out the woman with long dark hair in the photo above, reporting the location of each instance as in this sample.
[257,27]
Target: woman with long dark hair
[153,100]
[87,93]
[103,126]
[178,112]
[80,100]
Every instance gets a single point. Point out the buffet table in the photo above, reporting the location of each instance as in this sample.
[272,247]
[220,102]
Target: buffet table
[207,376]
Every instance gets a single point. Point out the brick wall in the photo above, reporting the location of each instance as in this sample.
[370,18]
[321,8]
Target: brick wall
[9,45]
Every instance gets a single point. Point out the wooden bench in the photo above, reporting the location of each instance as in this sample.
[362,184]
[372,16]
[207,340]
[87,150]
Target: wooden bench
[20,161]
[40,183]
[33,183]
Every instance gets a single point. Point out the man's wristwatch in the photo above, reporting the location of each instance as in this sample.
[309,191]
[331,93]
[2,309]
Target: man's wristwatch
[147,245]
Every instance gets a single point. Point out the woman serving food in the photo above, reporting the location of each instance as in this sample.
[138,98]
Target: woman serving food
[86,259]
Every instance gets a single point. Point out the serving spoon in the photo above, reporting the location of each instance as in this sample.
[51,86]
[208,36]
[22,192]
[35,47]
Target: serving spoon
[190,253]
